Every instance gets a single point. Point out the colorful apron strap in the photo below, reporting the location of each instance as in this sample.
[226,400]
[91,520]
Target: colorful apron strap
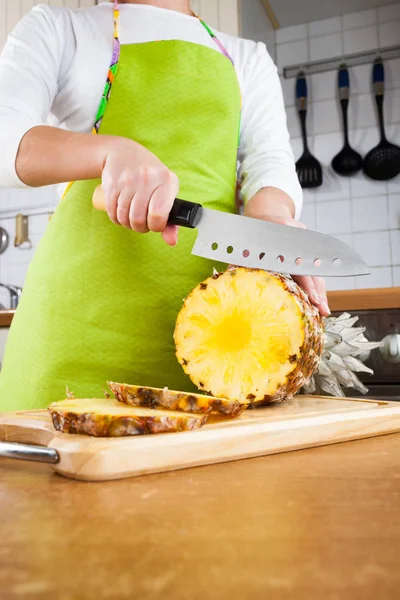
[115,58]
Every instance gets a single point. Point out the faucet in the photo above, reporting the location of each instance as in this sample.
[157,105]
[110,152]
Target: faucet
[15,294]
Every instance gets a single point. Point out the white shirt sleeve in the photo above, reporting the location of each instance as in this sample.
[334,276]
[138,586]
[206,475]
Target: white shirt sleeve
[265,155]
[29,72]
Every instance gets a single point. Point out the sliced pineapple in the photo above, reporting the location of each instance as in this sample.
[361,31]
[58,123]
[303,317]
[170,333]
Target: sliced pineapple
[171,400]
[249,335]
[102,417]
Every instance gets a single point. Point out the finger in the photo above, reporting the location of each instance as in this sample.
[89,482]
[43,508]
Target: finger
[111,199]
[170,235]
[308,285]
[161,202]
[320,287]
[139,207]
[123,207]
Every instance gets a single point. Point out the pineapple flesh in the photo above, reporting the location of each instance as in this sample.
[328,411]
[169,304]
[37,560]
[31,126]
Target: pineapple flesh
[249,335]
[170,400]
[102,417]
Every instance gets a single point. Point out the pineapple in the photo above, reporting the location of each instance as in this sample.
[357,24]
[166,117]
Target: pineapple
[170,400]
[342,343]
[253,336]
[249,335]
[109,418]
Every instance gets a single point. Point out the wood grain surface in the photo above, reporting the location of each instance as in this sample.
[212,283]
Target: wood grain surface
[303,422]
[369,299]
[320,523]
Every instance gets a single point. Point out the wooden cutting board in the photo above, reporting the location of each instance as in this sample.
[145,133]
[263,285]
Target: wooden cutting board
[304,422]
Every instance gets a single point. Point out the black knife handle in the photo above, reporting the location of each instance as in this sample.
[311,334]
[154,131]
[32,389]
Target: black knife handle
[184,214]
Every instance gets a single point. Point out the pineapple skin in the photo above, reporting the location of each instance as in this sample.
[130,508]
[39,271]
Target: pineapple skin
[305,363]
[171,400]
[96,425]
[313,345]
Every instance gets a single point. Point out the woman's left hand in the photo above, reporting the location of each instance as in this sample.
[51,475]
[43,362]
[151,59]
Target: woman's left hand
[265,206]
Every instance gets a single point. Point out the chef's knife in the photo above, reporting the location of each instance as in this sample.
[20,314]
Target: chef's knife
[247,242]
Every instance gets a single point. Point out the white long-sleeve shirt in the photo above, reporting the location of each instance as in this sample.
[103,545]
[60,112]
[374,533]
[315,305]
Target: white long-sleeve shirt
[54,66]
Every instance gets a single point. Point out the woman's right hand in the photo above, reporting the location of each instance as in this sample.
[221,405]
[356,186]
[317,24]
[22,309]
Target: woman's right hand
[139,190]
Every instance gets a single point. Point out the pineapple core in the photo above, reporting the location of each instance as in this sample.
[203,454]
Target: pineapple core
[239,335]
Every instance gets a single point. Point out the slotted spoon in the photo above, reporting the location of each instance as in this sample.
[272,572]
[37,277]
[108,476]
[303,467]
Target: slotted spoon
[348,161]
[308,169]
[383,161]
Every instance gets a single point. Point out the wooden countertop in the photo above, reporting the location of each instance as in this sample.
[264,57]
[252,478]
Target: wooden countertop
[349,300]
[6,317]
[315,524]
[342,300]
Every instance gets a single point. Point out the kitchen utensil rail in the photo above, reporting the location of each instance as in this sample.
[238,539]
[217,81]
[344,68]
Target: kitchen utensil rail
[351,60]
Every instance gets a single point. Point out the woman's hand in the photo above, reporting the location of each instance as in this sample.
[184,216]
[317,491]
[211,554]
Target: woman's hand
[139,190]
[270,204]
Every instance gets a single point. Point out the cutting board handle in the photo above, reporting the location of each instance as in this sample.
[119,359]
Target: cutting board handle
[183,213]
[29,452]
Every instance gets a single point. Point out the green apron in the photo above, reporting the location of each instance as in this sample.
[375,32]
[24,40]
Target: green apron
[100,302]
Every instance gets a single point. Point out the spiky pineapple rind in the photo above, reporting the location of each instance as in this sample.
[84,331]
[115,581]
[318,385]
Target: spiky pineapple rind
[304,363]
[102,425]
[172,400]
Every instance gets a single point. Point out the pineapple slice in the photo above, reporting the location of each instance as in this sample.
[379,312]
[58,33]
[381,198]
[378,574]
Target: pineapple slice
[249,335]
[171,400]
[109,418]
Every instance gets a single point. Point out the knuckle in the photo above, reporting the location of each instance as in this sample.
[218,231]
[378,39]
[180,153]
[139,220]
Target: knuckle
[138,224]
[127,177]
[142,173]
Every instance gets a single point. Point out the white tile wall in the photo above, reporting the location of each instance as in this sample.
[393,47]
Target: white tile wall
[362,212]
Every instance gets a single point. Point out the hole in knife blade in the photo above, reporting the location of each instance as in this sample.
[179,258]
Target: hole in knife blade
[337,262]
[246,253]
[261,255]
[280,258]
[229,249]
[214,246]
[317,262]
[299,260]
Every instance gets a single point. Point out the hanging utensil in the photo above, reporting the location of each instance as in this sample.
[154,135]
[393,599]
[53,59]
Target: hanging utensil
[383,161]
[4,240]
[308,169]
[22,240]
[243,241]
[348,161]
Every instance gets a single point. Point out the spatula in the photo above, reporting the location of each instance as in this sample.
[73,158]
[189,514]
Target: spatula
[383,161]
[348,161]
[308,169]
[243,241]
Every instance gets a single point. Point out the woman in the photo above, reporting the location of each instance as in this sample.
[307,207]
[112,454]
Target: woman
[100,300]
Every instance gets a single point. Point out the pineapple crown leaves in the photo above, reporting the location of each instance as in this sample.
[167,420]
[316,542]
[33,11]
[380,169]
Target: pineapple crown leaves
[339,365]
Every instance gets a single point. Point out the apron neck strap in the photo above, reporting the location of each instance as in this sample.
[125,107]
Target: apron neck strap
[112,71]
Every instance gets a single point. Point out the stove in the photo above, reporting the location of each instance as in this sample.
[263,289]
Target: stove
[383,325]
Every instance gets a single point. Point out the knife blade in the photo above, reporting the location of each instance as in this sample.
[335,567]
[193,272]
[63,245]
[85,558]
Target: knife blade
[247,242]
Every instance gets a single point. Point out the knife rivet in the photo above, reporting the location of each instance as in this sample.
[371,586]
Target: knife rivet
[337,262]
[317,262]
